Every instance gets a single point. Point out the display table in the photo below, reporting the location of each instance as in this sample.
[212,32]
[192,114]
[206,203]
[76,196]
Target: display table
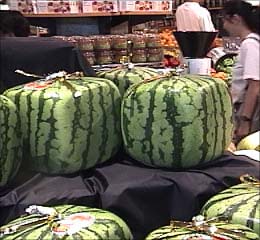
[39,56]
[146,198]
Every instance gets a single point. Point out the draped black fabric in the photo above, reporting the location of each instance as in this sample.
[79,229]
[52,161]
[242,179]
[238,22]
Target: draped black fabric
[145,198]
[40,56]
[149,198]
[45,190]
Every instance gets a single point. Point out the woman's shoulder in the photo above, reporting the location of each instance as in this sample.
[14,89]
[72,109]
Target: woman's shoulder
[252,37]
[251,41]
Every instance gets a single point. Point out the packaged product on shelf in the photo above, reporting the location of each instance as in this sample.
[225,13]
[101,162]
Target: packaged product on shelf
[84,43]
[154,54]
[102,42]
[133,5]
[59,6]
[90,6]
[139,56]
[119,42]
[137,40]
[118,55]
[104,57]
[23,6]
[89,56]
[152,40]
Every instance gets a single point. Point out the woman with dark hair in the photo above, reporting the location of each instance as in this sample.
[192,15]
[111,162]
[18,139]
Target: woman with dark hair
[13,24]
[241,19]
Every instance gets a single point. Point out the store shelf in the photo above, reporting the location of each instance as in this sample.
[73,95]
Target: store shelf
[147,13]
[77,15]
[70,15]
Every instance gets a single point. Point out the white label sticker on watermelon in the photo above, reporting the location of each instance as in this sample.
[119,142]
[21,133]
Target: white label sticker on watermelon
[72,224]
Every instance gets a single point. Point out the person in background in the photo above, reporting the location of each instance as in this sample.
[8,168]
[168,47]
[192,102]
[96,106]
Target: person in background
[190,16]
[13,24]
[241,19]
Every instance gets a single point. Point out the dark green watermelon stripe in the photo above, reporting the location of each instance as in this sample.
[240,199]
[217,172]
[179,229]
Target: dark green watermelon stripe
[4,136]
[218,111]
[223,110]
[90,123]
[116,116]
[205,144]
[215,112]
[52,133]
[120,231]
[250,223]
[26,232]
[236,206]
[223,91]
[204,148]
[75,123]
[40,113]
[171,113]
[94,232]
[104,135]
[149,123]
[222,197]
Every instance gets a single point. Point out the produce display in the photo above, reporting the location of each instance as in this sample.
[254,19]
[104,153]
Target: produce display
[208,231]
[10,140]
[67,222]
[177,121]
[225,65]
[68,125]
[124,77]
[250,142]
[239,204]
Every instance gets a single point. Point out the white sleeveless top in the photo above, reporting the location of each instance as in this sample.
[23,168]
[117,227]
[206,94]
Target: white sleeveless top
[247,67]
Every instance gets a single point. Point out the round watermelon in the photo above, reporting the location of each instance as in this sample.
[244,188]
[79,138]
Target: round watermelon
[74,222]
[177,121]
[10,141]
[124,77]
[68,126]
[238,204]
[223,231]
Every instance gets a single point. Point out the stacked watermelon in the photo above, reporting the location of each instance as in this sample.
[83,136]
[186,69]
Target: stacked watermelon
[224,231]
[77,222]
[10,140]
[177,121]
[124,77]
[68,126]
[240,204]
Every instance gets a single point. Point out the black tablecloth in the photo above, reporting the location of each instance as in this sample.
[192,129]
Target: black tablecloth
[37,55]
[145,198]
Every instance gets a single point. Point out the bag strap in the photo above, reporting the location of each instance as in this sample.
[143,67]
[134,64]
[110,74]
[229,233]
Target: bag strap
[257,39]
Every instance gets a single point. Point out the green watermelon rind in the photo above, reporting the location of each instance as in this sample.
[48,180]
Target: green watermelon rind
[64,134]
[167,232]
[177,122]
[10,141]
[240,204]
[124,77]
[107,226]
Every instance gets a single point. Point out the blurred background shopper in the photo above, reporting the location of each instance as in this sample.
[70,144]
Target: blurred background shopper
[241,19]
[13,24]
[190,16]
